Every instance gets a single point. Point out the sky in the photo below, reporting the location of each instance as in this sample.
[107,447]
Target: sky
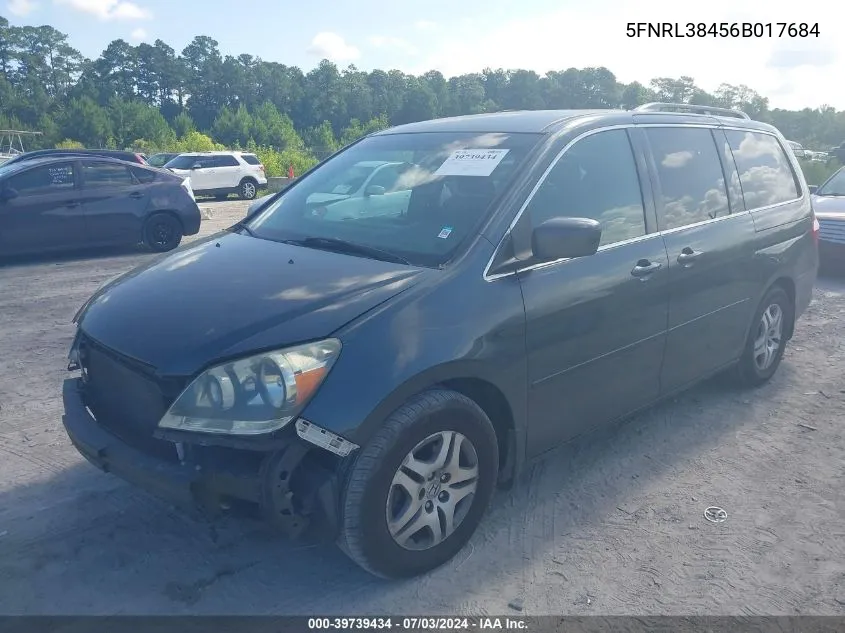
[461,36]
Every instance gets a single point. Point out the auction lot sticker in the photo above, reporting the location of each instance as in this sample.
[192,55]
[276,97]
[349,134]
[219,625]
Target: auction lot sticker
[471,162]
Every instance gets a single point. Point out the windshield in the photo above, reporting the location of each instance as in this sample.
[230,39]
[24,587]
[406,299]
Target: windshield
[835,186]
[350,181]
[422,195]
[185,161]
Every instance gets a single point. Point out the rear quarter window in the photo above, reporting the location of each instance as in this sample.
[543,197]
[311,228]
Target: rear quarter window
[765,173]
[251,159]
[144,176]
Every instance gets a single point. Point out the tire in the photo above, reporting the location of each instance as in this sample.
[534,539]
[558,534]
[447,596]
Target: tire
[162,232]
[248,189]
[757,366]
[365,535]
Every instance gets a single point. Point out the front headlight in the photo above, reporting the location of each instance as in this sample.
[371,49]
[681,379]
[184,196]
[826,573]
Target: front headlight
[253,395]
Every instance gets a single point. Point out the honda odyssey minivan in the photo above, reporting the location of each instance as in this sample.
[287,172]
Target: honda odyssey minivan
[380,375]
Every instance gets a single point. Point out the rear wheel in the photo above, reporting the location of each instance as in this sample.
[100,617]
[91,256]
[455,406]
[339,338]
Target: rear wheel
[766,341]
[162,232]
[248,189]
[418,490]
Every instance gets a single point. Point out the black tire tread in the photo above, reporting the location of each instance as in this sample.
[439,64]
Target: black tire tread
[241,188]
[372,456]
[177,224]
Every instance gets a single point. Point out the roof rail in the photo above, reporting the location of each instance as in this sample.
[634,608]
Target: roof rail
[696,109]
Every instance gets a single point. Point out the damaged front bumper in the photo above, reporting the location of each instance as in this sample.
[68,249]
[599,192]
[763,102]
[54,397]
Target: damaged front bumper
[294,486]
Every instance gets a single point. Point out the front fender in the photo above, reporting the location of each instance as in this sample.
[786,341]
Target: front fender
[452,330]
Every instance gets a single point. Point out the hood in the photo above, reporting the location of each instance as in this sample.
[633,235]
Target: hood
[829,206]
[230,295]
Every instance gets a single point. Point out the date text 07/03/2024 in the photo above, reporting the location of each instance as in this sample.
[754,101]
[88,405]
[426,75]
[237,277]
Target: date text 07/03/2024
[723,29]
[420,623]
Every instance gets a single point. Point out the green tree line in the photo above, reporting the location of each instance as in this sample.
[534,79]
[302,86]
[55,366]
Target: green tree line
[150,98]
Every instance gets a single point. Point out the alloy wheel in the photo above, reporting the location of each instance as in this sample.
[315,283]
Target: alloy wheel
[769,337]
[432,490]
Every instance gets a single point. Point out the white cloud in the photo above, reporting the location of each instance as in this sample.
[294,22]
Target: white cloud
[138,35]
[22,7]
[425,25]
[793,72]
[332,46]
[108,9]
[395,43]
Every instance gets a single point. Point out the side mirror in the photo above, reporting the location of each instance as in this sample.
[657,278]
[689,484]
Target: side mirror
[813,188]
[196,166]
[374,190]
[565,238]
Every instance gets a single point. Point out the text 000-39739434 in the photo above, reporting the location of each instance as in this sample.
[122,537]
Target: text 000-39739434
[723,29]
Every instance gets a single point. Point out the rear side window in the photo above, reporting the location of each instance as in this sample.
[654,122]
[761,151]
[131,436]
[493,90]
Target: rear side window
[596,178]
[41,180]
[765,173]
[690,175]
[251,159]
[224,161]
[144,176]
[106,175]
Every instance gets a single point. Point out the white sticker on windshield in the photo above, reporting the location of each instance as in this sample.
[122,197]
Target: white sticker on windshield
[471,162]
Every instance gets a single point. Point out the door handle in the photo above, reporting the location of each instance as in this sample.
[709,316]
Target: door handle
[688,256]
[72,205]
[645,269]
[136,194]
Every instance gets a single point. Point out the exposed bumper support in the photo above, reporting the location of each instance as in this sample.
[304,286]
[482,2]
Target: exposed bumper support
[290,490]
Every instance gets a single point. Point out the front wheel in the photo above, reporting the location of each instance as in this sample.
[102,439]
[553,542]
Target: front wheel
[162,232]
[419,488]
[248,189]
[766,341]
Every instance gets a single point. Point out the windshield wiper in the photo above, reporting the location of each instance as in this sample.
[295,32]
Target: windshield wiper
[351,248]
[241,226]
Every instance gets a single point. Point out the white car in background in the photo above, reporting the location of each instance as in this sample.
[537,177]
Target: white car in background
[368,189]
[797,149]
[221,173]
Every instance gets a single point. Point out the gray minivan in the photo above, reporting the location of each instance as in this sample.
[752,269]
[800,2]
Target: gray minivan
[380,374]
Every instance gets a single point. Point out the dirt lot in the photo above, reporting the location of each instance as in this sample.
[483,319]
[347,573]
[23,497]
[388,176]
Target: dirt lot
[612,525]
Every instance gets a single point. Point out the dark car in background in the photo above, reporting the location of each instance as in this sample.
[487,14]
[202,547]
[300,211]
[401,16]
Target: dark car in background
[131,157]
[70,202]
[161,159]
[528,277]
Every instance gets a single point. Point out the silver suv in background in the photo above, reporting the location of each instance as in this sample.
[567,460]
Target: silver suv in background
[221,173]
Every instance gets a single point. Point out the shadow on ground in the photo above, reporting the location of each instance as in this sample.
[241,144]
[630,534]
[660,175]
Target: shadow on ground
[85,542]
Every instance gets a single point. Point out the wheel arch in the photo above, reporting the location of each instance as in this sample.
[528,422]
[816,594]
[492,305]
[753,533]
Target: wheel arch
[787,284]
[502,411]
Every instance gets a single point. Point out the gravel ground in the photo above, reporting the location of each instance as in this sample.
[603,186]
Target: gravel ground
[611,525]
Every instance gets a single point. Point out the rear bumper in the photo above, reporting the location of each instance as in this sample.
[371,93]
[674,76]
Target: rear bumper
[191,220]
[199,485]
